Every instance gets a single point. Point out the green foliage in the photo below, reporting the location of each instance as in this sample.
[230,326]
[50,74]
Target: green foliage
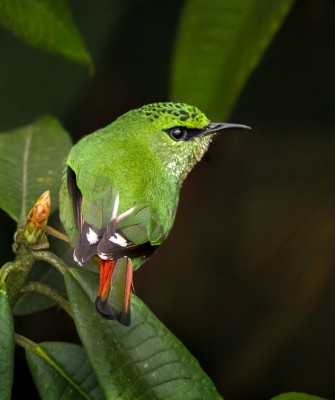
[47,24]
[143,361]
[219,44]
[31,162]
[6,345]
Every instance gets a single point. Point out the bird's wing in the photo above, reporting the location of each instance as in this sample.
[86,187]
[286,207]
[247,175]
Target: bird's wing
[126,236]
[103,231]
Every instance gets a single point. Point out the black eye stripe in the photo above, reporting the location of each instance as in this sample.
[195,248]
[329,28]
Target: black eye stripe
[182,133]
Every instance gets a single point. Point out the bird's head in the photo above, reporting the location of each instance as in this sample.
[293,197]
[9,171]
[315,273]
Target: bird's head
[178,134]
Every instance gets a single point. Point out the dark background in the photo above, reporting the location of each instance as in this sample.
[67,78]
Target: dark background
[246,279]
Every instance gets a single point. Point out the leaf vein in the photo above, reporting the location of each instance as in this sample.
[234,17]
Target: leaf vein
[25,172]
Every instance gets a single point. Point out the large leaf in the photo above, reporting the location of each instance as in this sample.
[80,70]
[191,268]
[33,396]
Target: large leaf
[31,161]
[219,43]
[47,24]
[62,371]
[143,361]
[6,345]
[296,396]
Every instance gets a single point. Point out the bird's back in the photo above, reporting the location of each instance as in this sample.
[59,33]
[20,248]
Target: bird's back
[108,164]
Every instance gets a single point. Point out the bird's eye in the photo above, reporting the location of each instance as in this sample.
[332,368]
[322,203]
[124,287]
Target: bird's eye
[177,133]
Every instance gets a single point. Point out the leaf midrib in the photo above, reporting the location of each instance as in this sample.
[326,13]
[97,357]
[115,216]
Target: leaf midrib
[25,162]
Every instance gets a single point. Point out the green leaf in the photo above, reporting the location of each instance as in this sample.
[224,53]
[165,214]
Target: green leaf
[62,371]
[296,396]
[47,24]
[143,361]
[32,159]
[218,45]
[6,345]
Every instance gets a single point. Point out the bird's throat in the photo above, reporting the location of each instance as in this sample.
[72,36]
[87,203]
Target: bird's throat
[180,160]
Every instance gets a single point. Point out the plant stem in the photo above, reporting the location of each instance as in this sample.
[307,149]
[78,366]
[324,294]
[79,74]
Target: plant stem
[59,235]
[46,290]
[6,269]
[15,273]
[51,259]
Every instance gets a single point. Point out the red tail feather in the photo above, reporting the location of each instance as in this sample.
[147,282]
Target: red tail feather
[113,298]
[106,272]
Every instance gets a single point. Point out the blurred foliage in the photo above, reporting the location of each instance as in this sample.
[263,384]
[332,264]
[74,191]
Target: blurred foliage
[259,283]
[47,24]
[218,45]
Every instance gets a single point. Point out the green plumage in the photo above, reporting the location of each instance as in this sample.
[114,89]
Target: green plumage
[123,181]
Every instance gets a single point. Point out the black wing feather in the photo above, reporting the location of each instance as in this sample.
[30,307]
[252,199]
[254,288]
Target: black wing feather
[76,196]
[110,250]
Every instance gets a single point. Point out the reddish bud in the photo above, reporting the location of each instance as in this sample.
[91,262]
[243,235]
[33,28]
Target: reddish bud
[37,219]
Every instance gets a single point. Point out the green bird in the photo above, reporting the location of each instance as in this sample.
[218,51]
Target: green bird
[120,192]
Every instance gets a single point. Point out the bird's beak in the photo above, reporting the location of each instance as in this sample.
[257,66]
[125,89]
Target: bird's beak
[214,127]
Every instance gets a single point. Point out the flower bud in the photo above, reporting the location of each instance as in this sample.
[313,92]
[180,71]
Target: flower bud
[37,219]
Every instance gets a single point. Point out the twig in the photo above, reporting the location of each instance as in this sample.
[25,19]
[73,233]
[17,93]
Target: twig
[59,235]
[46,290]
[51,259]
